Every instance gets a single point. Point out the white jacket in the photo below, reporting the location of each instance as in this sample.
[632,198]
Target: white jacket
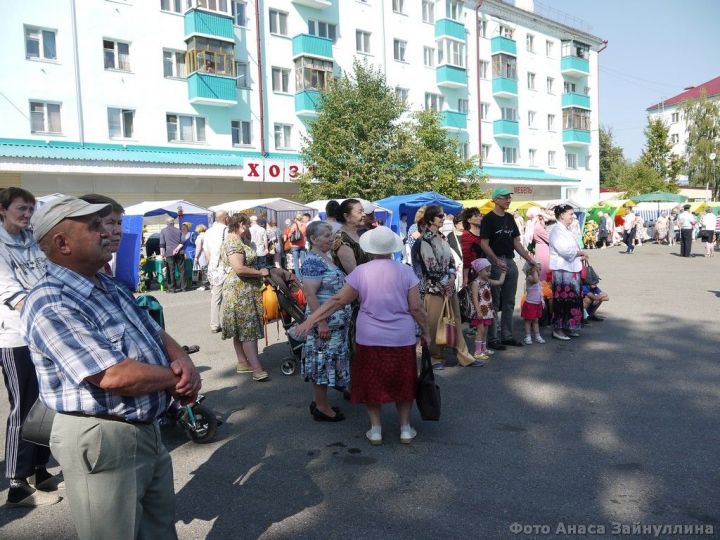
[22,264]
[563,250]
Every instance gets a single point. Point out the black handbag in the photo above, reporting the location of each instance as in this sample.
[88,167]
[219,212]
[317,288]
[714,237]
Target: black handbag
[465,304]
[38,424]
[428,392]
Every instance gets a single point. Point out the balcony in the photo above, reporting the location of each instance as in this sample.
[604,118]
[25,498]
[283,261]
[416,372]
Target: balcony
[505,129]
[307,45]
[500,44]
[504,87]
[574,66]
[209,25]
[451,76]
[580,101]
[209,89]
[576,137]
[449,28]
[306,103]
[315,4]
[453,120]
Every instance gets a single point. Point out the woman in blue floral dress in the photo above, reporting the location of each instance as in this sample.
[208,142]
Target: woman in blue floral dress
[326,361]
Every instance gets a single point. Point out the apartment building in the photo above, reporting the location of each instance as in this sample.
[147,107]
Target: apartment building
[209,100]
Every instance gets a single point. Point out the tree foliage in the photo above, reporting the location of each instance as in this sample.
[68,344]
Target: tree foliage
[610,155]
[360,146]
[637,178]
[658,151]
[702,117]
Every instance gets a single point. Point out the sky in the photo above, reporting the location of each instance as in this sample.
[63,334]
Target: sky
[656,48]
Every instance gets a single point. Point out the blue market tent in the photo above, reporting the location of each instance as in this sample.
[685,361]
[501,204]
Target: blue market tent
[410,204]
[127,267]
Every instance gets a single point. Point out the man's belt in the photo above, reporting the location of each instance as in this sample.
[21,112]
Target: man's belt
[110,417]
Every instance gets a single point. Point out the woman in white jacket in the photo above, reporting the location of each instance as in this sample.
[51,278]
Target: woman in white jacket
[22,264]
[566,263]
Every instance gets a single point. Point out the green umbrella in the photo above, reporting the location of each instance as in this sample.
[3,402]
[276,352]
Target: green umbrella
[659,196]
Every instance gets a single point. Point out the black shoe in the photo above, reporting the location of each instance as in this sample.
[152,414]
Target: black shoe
[320,416]
[596,318]
[313,408]
[512,342]
[585,322]
[496,345]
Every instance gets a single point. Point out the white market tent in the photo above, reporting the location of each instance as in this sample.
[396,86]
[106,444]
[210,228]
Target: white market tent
[159,208]
[380,212]
[275,209]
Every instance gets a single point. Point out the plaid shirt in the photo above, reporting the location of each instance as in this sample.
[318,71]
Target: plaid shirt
[75,329]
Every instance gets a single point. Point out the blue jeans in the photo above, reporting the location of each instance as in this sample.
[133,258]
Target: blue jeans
[298,255]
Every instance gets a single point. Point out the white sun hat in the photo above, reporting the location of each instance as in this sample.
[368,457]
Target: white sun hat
[380,241]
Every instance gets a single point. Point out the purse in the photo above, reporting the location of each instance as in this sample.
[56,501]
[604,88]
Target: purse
[38,424]
[428,392]
[446,333]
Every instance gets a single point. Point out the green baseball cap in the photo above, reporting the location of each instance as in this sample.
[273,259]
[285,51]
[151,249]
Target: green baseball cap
[500,192]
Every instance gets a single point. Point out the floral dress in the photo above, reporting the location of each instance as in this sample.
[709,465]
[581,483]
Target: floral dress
[242,315]
[326,362]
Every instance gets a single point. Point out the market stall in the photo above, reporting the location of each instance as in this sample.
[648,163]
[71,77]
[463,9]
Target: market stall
[274,209]
[409,204]
[380,213]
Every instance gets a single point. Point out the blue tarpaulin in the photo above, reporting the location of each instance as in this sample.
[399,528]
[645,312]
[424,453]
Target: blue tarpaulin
[410,204]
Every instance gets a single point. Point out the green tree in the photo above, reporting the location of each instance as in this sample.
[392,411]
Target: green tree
[636,178]
[658,151]
[610,155]
[702,117]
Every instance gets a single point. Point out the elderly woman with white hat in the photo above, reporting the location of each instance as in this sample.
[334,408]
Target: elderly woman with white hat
[384,367]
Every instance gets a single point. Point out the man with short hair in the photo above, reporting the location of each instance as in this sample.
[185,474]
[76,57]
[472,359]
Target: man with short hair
[109,371]
[500,239]
[171,249]
[630,230]
[258,237]
[686,222]
[214,238]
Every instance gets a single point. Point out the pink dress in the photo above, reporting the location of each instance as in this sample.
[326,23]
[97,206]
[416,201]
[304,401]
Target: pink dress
[542,249]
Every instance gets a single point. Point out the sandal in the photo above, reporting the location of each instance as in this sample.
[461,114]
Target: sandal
[243,369]
[261,376]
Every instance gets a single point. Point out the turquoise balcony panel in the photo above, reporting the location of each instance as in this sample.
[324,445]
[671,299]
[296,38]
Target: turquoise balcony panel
[208,24]
[505,129]
[576,137]
[500,44]
[208,89]
[504,87]
[306,103]
[572,65]
[453,120]
[575,100]
[451,76]
[449,28]
[307,45]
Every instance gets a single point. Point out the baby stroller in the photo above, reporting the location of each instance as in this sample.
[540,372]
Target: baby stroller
[291,303]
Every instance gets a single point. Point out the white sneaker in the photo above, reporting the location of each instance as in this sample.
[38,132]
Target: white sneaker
[539,339]
[407,434]
[374,435]
[527,340]
[489,352]
[560,336]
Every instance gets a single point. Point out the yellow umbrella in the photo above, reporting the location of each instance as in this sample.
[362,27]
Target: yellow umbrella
[485,205]
[698,207]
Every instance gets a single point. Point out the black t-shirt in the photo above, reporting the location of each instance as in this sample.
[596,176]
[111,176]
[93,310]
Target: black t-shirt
[500,231]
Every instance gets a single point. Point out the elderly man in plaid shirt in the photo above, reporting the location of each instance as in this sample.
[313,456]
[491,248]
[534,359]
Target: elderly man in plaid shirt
[109,371]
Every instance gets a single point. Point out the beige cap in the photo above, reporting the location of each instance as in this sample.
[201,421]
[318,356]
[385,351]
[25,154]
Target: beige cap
[57,210]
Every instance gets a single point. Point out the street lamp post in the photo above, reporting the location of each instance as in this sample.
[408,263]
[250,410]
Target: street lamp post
[713,157]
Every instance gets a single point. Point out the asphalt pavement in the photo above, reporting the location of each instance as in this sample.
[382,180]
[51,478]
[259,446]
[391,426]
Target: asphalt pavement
[611,432]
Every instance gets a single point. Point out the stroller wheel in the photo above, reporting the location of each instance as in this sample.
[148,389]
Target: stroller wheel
[288,367]
[205,425]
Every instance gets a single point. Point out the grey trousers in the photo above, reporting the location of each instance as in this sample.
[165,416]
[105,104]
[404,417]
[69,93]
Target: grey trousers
[215,305]
[504,300]
[118,478]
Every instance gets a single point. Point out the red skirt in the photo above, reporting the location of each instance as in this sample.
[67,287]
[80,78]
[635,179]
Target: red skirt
[383,374]
[531,311]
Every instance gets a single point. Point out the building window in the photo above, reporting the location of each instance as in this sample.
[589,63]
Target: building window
[575,48]
[322,29]
[551,159]
[482,28]
[174,6]
[451,52]
[569,87]
[463,105]
[531,81]
[182,128]
[509,155]
[531,119]
[463,150]
[576,119]
[116,54]
[40,44]
[549,45]
[210,56]
[531,157]
[505,31]
[484,110]
[221,6]
[399,49]
[530,43]
[570,160]
[242,79]
[675,138]
[362,41]
[312,73]
[550,82]
[428,11]
[44,117]
[281,80]
[283,136]
[398,6]
[485,148]
[402,93]
[429,56]
[120,123]
[508,113]
[239,13]
[453,9]
[241,133]
[278,22]
[174,64]
[551,122]
[675,117]
[483,67]
[434,102]
[504,65]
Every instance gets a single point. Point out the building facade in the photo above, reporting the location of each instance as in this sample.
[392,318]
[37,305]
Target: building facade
[165,99]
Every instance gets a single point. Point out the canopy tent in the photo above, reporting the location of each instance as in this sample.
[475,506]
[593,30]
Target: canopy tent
[660,196]
[410,204]
[127,265]
[699,206]
[650,211]
[380,213]
[486,205]
[274,209]
[615,207]
[715,206]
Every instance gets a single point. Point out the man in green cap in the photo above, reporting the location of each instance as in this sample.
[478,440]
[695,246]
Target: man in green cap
[500,239]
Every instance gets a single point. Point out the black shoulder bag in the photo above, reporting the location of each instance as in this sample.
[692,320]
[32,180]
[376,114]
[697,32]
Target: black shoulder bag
[428,392]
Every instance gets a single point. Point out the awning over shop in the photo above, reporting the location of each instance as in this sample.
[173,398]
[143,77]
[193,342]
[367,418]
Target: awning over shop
[524,176]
